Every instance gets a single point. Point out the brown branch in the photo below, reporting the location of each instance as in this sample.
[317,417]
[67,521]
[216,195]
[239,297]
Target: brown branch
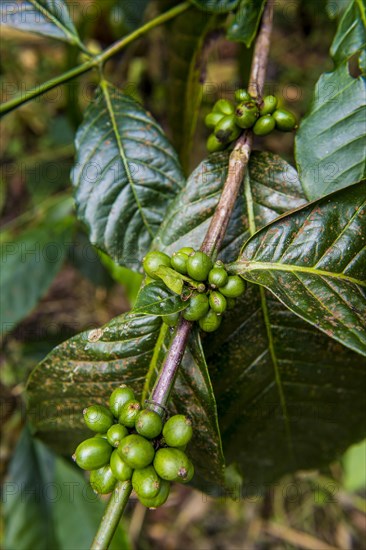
[238,164]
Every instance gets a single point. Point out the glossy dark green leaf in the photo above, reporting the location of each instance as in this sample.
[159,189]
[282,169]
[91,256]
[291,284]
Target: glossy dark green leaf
[289,398]
[157,299]
[246,22]
[30,262]
[86,369]
[216,6]
[276,190]
[126,174]
[132,12]
[46,17]
[187,35]
[38,494]
[314,261]
[330,151]
[350,37]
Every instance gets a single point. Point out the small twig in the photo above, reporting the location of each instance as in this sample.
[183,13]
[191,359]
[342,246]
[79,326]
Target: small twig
[112,515]
[238,164]
[297,538]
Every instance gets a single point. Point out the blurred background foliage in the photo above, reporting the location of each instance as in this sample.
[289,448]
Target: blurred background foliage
[73,287]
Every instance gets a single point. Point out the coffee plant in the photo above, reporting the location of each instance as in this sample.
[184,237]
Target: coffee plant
[246,344]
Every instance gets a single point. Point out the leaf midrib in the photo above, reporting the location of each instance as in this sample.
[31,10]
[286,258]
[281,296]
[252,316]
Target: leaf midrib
[243,266]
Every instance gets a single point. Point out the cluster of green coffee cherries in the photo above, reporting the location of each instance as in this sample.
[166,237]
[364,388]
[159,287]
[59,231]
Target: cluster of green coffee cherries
[228,121]
[214,290]
[132,443]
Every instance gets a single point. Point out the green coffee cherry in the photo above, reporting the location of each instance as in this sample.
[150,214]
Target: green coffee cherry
[234,287]
[149,424]
[115,434]
[177,431]
[129,413]
[242,96]
[119,397]
[103,480]
[223,106]
[93,453]
[217,277]
[179,262]
[217,302]
[210,322]
[160,498]
[269,105]
[98,418]
[226,129]
[246,114]
[172,464]
[146,482]
[197,308]
[121,470]
[136,451]
[171,320]
[264,125]
[212,119]
[213,145]
[199,266]
[187,250]
[285,120]
[152,262]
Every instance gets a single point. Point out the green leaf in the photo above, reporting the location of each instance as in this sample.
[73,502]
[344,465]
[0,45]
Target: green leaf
[125,175]
[30,262]
[314,261]
[86,369]
[133,13]
[172,279]
[354,468]
[247,18]
[350,37]
[156,299]
[216,6]
[335,8]
[40,490]
[187,36]
[46,17]
[283,391]
[330,141]
[276,190]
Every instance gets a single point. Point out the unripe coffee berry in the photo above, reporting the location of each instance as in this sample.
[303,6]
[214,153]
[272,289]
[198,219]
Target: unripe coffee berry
[213,145]
[246,114]
[119,397]
[197,308]
[93,453]
[152,262]
[187,250]
[242,96]
[179,262]
[217,302]
[199,266]
[160,498]
[103,480]
[136,451]
[121,470]
[146,482]
[129,413]
[264,125]
[217,276]
[172,464]
[210,322]
[226,130]
[234,287]
[269,105]
[285,120]
[177,431]
[224,106]
[98,418]
[115,434]
[171,320]
[212,119]
[149,424]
